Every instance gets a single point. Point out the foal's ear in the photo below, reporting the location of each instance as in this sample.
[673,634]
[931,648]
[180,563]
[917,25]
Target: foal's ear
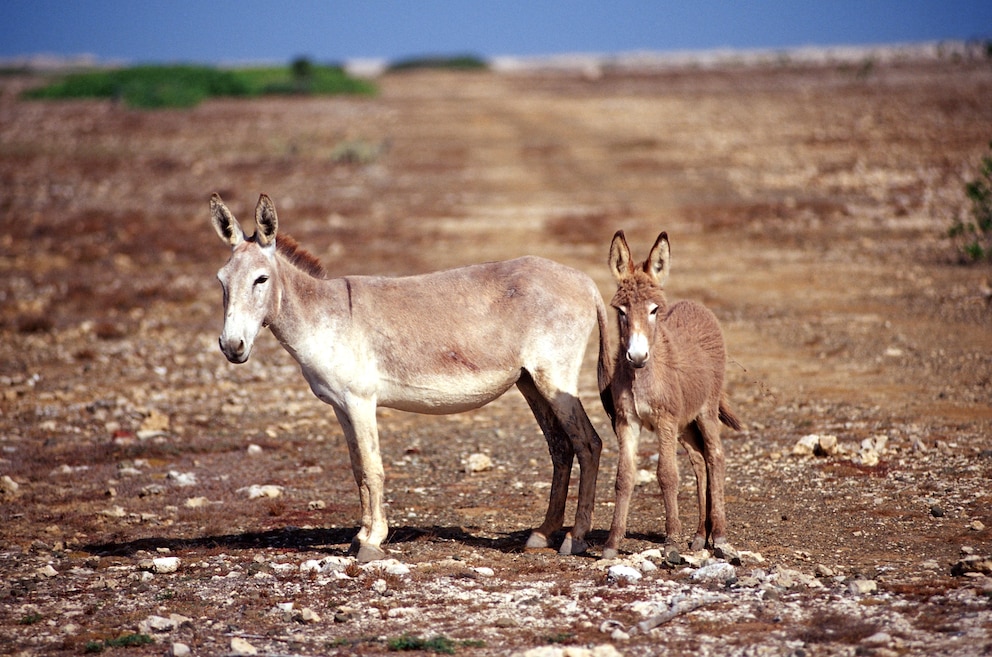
[266,222]
[659,261]
[620,264]
[224,222]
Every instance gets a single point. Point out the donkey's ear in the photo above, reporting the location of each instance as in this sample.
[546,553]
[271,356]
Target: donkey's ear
[659,261]
[620,264]
[224,222]
[266,222]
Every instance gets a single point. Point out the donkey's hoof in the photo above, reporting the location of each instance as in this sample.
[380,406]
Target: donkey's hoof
[610,553]
[537,541]
[573,545]
[367,553]
[698,543]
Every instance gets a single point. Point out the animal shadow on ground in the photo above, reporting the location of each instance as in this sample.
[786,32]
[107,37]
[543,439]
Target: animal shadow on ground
[334,541]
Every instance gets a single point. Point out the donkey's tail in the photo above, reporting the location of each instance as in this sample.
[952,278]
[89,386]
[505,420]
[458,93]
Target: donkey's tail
[727,414]
[603,372]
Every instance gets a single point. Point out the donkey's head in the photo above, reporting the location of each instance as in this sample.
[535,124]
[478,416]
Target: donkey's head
[640,295]
[251,293]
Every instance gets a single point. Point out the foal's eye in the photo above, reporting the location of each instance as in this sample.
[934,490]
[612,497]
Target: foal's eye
[261,279]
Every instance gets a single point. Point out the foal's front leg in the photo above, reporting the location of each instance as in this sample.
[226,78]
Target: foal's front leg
[668,481]
[627,437]
[359,424]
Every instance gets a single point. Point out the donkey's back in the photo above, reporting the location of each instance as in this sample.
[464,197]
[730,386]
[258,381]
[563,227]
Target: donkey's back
[456,339]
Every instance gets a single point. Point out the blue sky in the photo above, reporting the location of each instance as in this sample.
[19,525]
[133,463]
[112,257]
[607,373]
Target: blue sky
[224,31]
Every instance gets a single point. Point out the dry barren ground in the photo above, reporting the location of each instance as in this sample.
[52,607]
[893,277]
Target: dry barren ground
[806,206]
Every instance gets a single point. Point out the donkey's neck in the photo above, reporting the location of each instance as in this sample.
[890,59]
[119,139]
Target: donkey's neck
[305,301]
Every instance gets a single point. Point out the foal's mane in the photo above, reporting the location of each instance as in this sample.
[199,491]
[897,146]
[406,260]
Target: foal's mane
[299,257]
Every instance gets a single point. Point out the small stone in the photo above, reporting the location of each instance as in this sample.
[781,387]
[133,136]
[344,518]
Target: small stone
[181,479]
[823,571]
[308,616]
[316,505]
[115,511]
[936,511]
[976,525]
[380,586]
[619,572]
[806,445]
[485,571]
[179,650]
[715,572]
[47,571]
[156,422]
[647,566]
[8,487]
[256,491]
[241,647]
[878,638]
[196,502]
[862,586]
[478,463]
[826,445]
[164,565]
[619,635]
[254,450]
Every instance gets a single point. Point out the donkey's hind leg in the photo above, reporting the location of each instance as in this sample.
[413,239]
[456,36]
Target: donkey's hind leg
[569,433]
[692,440]
[562,456]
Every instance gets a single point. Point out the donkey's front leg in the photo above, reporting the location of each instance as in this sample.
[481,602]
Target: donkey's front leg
[359,424]
[627,438]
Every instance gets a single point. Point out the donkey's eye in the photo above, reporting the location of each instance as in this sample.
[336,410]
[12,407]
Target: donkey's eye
[261,279]
[653,311]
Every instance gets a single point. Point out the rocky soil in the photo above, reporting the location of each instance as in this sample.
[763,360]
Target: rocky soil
[158,500]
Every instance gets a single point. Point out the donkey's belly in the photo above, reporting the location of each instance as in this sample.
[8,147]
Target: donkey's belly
[441,395]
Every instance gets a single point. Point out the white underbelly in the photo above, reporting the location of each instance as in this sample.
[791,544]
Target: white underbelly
[443,395]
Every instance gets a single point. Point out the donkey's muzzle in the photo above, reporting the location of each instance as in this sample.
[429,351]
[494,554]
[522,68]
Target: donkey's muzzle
[235,351]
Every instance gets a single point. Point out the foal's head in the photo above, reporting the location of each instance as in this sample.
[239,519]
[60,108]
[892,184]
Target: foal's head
[249,277]
[640,296]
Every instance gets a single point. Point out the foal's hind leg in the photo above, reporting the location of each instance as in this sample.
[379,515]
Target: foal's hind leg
[692,440]
[709,427]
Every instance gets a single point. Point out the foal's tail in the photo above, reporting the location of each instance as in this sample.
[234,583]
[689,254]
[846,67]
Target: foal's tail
[727,415]
[603,366]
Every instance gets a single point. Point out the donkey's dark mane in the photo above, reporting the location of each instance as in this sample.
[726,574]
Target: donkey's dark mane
[299,257]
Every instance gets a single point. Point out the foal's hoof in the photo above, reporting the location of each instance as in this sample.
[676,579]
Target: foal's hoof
[698,543]
[367,553]
[537,541]
[573,545]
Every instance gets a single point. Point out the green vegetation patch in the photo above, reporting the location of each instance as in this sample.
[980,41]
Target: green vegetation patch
[457,63]
[152,87]
[974,234]
[438,644]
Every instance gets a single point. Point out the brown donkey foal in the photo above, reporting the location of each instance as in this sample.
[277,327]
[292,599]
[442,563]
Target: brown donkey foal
[668,378]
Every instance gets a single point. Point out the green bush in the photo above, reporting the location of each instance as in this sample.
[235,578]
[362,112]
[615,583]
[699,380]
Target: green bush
[457,63]
[974,234]
[151,87]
